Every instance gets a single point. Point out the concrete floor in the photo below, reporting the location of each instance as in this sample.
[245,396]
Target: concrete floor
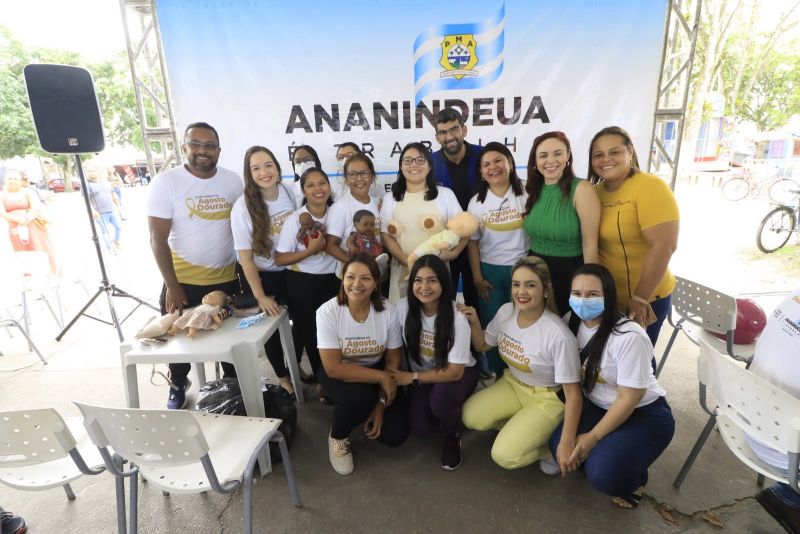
[393,490]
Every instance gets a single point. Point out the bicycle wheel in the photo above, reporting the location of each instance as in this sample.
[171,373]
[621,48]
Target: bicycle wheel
[776,229]
[735,189]
[784,191]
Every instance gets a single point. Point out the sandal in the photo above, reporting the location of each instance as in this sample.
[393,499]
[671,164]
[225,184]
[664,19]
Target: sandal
[323,398]
[307,378]
[628,502]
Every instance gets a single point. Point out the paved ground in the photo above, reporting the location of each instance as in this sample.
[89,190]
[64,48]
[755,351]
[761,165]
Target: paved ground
[401,489]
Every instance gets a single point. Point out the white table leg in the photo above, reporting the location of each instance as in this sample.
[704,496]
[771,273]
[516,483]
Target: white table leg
[285,330]
[199,369]
[245,359]
[131,382]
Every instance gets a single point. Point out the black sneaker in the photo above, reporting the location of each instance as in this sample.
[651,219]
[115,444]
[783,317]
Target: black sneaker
[11,524]
[451,453]
[177,396]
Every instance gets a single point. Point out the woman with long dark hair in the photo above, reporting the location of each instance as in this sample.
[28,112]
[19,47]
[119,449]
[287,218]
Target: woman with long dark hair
[360,344]
[639,223]
[256,220]
[541,385]
[625,423]
[414,197]
[310,280]
[442,370]
[500,241]
[562,213]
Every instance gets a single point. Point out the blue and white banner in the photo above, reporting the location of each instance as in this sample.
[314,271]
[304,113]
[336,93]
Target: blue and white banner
[376,73]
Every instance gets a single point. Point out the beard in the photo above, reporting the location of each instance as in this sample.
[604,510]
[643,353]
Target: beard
[207,167]
[455,148]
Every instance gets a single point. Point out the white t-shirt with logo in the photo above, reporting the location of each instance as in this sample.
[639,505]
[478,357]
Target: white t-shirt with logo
[200,210]
[360,343]
[319,263]
[626,361]
[502,238]
[544,354]
[340,218]
[459,353]
[777,360]
[242,225]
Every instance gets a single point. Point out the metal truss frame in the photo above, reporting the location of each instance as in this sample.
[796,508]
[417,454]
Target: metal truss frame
[677,57]
[151,84]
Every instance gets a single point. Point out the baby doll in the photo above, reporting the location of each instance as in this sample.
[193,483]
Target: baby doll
[309,228]
[363,239]
[462,225]
[207,316]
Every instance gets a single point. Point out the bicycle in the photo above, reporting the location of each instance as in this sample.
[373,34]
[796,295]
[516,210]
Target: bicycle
[778,189]
[778,225]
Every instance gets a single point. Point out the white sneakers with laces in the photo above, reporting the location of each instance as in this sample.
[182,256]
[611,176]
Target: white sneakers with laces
[340,456]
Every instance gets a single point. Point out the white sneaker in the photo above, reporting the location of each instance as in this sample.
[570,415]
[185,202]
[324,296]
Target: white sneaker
[549,466]
[340,456]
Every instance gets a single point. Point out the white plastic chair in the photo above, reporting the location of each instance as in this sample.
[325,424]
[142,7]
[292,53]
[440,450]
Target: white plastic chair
[32,346]
[180,451]
[39,450]
[702,309]
[749,405]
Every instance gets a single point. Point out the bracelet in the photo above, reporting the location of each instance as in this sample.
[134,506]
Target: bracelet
[637,298]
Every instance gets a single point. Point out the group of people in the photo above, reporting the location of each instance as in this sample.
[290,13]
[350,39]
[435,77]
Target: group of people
[559,282]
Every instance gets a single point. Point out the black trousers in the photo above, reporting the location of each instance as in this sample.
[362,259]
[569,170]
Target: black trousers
[274,285]
[561,270]
[460,267]
[305,292]
[194,297]
[354,401]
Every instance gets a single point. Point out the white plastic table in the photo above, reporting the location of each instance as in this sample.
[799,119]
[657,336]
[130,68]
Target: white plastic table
[241,347]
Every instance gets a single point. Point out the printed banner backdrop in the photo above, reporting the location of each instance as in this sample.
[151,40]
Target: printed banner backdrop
[283,74]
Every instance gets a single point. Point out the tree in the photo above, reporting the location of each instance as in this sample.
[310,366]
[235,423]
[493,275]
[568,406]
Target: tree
[17,135]
[746,51]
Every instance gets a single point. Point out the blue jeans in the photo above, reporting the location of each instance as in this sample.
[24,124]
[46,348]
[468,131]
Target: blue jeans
[618,463]
[661,308]
[110,220]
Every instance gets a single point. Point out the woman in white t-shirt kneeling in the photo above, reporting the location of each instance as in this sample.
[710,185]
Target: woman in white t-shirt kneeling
[359,342]
[443,372]
[626,422]
[526,404]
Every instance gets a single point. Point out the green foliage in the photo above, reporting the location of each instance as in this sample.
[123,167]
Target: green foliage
[112,81]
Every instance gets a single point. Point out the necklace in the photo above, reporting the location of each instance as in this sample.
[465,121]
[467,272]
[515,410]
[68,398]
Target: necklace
[360,321]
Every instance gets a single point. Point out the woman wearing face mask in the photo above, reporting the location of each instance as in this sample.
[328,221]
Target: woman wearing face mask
[500,241]
[443,372]
[543,368]
[626,422]
[304,157]
[360,344]
[256,220]
[310,280]
[562,214]
[639,225]
[414,196]
[359,175]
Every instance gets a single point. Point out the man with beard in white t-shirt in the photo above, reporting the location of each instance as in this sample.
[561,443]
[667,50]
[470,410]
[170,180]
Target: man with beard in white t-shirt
[189,212]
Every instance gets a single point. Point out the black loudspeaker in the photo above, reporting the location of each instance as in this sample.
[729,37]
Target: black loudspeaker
[65,109]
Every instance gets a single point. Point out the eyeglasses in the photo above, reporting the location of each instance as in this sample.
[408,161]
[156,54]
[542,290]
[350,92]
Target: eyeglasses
[340,157]
[452,132]
[197,145]
[307,160]
[359,174]
[419,161]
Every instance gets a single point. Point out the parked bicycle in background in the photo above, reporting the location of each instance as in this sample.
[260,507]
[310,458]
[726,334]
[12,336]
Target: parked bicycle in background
[779,224]
[757,177]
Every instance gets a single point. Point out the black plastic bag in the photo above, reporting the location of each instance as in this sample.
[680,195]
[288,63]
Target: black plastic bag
[223,396]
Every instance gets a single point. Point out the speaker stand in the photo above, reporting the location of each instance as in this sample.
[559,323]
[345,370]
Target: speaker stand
[106,287]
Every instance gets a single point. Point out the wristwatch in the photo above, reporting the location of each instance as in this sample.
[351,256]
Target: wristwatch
[415,380]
